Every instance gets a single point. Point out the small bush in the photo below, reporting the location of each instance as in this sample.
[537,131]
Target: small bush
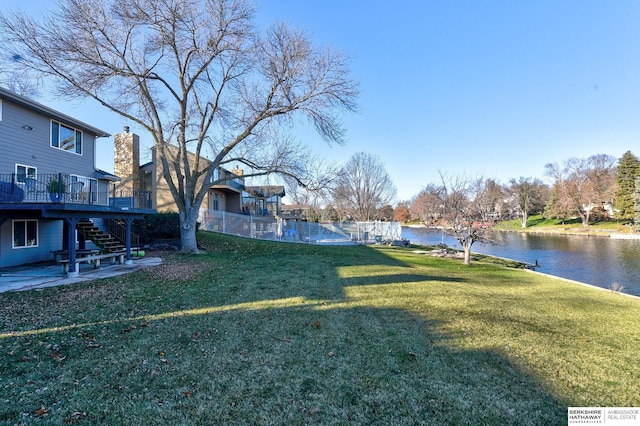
[616,287]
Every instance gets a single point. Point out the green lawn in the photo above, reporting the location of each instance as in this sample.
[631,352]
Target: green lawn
[537,223]
[256,332]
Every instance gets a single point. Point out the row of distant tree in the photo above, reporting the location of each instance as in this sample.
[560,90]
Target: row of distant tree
[361,190]
[600,187]
[596,188]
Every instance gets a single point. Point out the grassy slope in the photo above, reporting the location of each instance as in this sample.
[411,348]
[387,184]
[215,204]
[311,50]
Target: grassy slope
[257,333]
[537,223]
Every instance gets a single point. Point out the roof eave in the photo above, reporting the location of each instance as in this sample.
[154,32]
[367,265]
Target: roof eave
[45,110]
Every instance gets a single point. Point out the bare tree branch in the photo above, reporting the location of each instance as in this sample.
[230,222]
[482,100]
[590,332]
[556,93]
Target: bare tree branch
[363,186]
[196,74]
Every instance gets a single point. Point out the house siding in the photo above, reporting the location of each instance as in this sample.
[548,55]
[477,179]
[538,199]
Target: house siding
[228,202]
[33,147]
[162,200]
[49,238]
[25,139]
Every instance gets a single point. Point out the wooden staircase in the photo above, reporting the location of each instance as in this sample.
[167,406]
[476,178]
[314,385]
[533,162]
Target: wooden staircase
[106,242]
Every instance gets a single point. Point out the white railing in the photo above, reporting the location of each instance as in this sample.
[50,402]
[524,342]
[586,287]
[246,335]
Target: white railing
[278,229]
[378,231]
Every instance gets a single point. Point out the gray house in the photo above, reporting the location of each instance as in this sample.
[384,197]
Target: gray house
[50,190]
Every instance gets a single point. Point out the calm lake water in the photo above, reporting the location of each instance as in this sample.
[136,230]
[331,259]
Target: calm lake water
[600,261]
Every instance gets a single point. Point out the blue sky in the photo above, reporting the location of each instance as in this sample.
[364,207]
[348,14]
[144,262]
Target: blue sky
[481,88]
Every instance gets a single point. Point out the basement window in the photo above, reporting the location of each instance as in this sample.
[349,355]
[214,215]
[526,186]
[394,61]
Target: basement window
[25,233]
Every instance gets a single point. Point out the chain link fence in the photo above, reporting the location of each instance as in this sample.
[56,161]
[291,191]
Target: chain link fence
[278,229]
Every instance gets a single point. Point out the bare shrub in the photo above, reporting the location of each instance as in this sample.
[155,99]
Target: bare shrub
[616,287]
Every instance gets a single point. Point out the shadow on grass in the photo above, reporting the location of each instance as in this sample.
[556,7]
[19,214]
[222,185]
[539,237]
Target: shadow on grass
[252,334]
[398,279]
[308,363]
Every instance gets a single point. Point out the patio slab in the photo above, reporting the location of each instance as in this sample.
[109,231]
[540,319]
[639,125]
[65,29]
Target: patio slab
[31,277]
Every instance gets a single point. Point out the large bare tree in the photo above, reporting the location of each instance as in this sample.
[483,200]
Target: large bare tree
[315,192]
[363,186]
[428,205]
[528,196]
[489,199]
[582,184]
[197,75]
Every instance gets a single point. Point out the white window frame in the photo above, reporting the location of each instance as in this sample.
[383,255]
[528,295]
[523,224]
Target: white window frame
[26,232]
[77,134]
[33,175]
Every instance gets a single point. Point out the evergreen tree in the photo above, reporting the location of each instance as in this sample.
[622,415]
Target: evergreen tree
[627,172]
[636,195]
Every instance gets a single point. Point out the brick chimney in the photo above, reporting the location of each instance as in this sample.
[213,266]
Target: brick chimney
[126,160]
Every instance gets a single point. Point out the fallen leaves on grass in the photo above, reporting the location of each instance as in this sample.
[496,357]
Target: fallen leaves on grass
[173,272]
[133,327]
[311,412]
[42,411]
[91,342]
[57,356]
[75,417]
[62,301]
[129,329]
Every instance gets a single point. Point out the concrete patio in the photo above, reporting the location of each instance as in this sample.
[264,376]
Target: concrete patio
[36,276]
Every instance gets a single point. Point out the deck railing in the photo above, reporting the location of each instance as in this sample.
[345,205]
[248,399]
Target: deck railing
[130,198]
[232,180]
[61,188]
[119,230]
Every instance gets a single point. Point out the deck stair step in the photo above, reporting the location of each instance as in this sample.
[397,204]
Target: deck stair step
[106,242]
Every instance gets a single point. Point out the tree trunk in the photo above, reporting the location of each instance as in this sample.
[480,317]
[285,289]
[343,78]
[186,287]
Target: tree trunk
[188,227]
[466,244]
[188,240]
[523,221]
[467,254]
[584,217]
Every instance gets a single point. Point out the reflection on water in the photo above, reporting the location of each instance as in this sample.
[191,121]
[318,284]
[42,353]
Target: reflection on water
[599,261]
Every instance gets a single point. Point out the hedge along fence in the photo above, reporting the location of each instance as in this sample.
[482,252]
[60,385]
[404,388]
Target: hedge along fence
[160,226]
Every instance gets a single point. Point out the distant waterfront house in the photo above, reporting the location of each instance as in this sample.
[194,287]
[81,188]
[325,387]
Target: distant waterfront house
[49,184]
[263,200]
[148,177]
[227,193]
[295,211]
[604,208]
